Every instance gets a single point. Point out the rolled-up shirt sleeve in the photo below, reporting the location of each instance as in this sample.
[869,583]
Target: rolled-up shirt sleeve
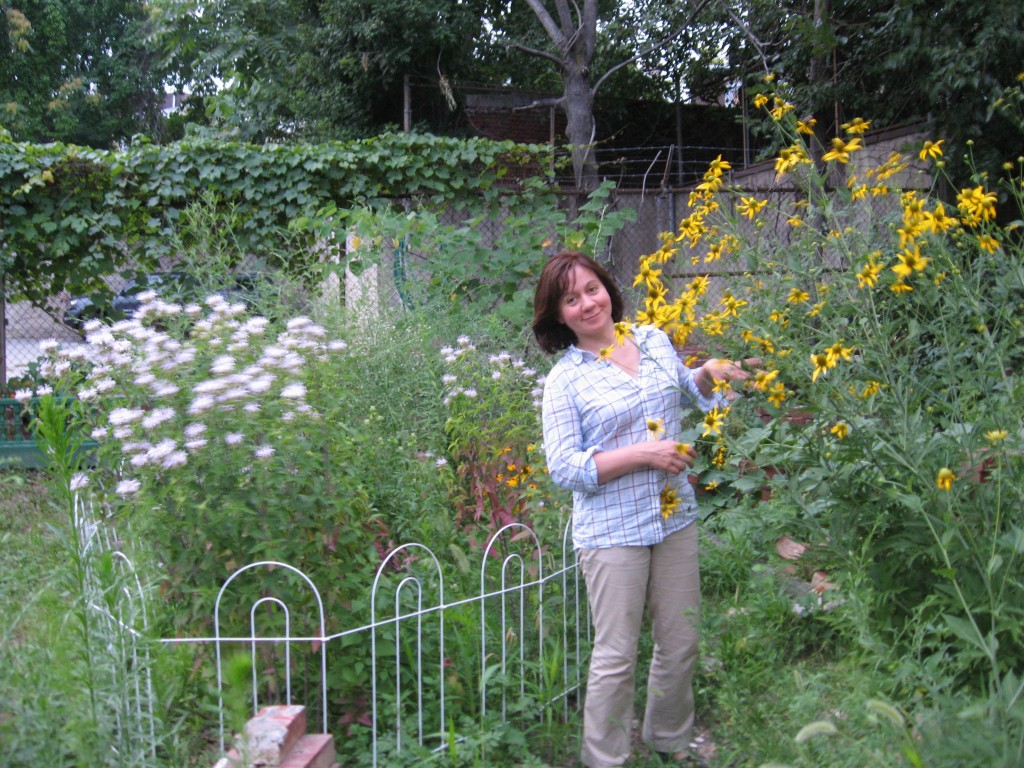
[688,381]
[570,463]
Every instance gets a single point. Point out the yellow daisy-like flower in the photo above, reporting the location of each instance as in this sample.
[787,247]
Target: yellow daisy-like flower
[711,486]
[692,228]
[623,330]
[722,386]
[767,346]
[682,448]
[815,310]
[945,479]
[713,421]
[712,325]
[976,205]
[717,167]
[868,275]
[721,454]
[841,150]
[806,127]
[856,127]
[840,430]
[699,285]
[996,435]
[777,394]
[655,427]
[760,100]
[781,108]
[780,318]
[889,168]
[931,149]
[871,388]
[605,354]
[789,158]
[711,185]
[732,304]
[656,294]
[669,501]
[796,296]
[838,352]
[900,287]
[988,243]
[762,379]
[646,273]
[681,334]
[911,261]
[750,206]
[821,363]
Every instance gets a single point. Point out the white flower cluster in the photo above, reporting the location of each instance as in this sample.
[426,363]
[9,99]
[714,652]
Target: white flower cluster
[500,367]
[225,371]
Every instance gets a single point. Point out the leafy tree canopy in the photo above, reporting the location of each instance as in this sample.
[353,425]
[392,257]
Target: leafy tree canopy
[897,62]
[312,69]
[77,71]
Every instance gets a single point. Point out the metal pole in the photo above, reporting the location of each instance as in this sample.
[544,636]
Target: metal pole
[3,329]
[406,104]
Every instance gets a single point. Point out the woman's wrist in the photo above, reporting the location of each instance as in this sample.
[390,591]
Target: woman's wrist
[705,381]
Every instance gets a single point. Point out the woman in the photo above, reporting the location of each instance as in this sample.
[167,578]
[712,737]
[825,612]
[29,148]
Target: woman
[612,414]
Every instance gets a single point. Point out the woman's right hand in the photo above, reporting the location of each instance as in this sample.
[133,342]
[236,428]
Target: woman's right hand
[666,455]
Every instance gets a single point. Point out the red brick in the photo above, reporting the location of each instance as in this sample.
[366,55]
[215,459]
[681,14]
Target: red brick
[312,751]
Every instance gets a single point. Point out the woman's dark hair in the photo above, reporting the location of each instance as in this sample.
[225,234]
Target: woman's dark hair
[551,333]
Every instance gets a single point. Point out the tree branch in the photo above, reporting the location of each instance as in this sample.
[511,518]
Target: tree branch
[558,60]
[695,9]
[554,32]
[550,101]
[747,31]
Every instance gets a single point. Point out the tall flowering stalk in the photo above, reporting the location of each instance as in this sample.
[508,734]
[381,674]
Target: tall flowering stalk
[884,318]
[493,404]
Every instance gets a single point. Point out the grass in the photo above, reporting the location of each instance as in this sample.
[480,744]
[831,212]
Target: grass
[30,619]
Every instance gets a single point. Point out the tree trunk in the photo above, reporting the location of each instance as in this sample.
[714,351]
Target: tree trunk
[578,105]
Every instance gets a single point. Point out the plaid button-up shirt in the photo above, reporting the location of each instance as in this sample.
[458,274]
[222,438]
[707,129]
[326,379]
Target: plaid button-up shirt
[591,405]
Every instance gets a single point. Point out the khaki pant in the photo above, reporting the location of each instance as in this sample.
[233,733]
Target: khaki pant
[620,580]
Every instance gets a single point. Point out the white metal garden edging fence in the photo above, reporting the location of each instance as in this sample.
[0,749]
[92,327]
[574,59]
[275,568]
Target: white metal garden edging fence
[522,635]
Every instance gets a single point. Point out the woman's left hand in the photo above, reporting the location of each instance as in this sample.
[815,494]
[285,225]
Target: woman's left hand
[717,369]
[730,370]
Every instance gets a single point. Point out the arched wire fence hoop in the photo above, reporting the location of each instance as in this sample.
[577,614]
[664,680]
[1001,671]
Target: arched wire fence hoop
[253,638]
[510,560]
[409,602]
[418,616]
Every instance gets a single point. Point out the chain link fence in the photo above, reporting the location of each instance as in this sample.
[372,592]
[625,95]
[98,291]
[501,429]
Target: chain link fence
[648,183]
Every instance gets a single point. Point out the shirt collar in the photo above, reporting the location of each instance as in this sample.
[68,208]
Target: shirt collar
[577,356]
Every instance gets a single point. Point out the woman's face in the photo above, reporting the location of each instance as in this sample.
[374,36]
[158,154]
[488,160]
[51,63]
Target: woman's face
[586,307]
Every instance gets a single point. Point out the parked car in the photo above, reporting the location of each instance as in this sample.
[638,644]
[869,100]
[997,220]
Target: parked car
[171,286]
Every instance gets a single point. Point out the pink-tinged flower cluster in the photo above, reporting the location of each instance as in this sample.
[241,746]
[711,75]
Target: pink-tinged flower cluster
[227,384]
